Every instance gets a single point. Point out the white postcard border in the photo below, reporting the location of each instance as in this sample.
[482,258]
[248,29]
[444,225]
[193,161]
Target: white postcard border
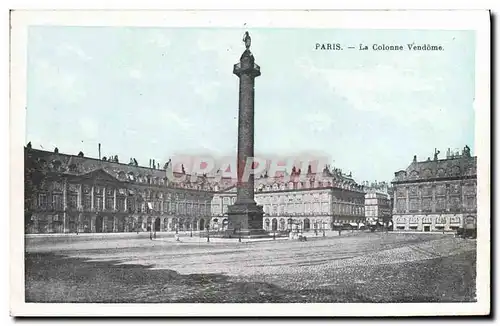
[477,20]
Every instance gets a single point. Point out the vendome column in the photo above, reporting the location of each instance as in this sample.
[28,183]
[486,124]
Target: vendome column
[245,216]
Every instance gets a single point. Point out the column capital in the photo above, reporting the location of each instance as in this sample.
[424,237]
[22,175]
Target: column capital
[247,65]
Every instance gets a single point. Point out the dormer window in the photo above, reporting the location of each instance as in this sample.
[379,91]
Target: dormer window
[56,165]
[72,168]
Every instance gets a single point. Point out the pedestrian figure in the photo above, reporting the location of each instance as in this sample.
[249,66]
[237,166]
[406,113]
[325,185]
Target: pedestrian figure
[340,230]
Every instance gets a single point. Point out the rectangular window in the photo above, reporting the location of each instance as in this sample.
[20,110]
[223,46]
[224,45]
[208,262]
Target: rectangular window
[120,204]
[441,190]
[426,204]
[455,204]
[73,200]
[401,205]
[42,201]
[414,207]
[57,202]
[87,201]
[109,203]
[325,208]
[131,204]
[440,204]
[427,191]
[470,202]
[98,205]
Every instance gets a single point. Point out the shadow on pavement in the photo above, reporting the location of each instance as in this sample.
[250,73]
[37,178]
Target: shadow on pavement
[58,279]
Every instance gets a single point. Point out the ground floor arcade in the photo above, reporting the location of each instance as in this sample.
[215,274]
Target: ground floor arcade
[111,222]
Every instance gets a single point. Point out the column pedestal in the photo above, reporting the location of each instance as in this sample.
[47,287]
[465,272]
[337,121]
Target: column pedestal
[246,220]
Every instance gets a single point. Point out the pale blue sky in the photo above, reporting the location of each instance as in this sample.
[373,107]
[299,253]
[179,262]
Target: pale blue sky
[156,92]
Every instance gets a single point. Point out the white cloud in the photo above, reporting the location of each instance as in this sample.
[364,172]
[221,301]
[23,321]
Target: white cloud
[136,73]
[207,91]
[61,84]
[401,93]
[174,119]
[72,50]
[318,121]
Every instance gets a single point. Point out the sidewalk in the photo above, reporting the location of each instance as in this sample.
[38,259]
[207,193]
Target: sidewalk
[197,239]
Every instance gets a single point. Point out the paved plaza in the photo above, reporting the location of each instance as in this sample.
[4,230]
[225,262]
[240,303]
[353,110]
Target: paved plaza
[352,267]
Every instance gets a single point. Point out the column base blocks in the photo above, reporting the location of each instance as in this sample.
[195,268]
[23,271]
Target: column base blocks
[246,220]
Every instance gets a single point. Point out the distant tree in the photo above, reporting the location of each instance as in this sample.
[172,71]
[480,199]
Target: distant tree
[33,177]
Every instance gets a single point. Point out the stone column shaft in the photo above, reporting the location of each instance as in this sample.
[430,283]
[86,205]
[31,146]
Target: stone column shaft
[245,216]
[245,190]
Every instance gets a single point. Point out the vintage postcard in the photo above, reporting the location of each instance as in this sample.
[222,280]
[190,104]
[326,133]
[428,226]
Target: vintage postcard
[191,163]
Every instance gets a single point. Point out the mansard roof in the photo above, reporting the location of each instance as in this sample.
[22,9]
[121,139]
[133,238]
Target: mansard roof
[454,167]
[83,166]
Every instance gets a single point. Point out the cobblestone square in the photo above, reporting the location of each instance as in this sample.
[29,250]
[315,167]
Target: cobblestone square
[353,267]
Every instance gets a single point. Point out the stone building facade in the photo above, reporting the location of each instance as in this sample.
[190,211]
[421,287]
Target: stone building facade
[378,209]
[437,194]
[307,204]
[72,193]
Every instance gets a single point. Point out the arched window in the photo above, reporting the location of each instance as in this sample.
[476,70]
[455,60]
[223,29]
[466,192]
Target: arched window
[307,224]
[275,224]
[266,224]
[282,224]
